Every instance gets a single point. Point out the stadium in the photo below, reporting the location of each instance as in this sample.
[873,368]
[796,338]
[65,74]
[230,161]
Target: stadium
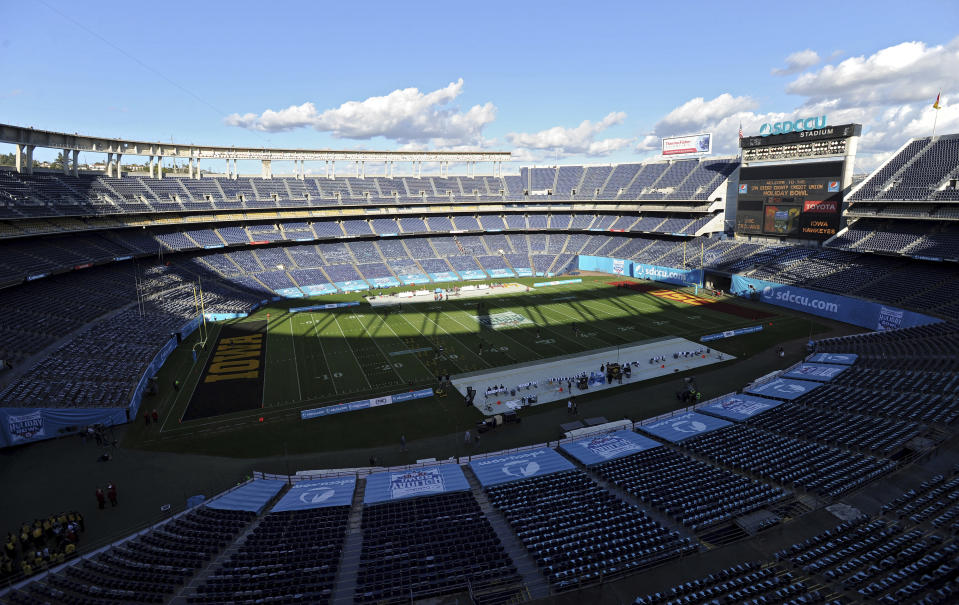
[455,376]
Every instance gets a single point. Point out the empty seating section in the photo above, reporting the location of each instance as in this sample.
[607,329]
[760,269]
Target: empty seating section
[696,494]
[825,470]
[878,436]
[290,555]
[881,560]
[148,569]
[751,582]
[578,533]
[427,547]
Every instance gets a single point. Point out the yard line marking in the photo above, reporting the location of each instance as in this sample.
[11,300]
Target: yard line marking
[428,371]
[352,352]
[296,364]
[329,370]
[473,353]
[386,358]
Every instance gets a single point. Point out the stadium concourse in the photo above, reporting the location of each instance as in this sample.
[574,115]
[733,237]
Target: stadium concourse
[831,480]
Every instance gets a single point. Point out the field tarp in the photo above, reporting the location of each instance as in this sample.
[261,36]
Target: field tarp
[253,497]
[684,426]
[423,481]
[318,493]
[519,465]
[783,388]
[738,407]
[610,446]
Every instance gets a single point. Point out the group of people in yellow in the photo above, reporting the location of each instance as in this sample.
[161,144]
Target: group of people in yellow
[42,544]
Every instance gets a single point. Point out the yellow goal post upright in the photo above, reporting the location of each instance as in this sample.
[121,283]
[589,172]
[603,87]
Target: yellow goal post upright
[198,305]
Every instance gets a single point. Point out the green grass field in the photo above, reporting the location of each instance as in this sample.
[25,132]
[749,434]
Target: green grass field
[324,357]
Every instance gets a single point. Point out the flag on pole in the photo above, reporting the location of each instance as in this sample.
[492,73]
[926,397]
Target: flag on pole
[741,125]
[936,104]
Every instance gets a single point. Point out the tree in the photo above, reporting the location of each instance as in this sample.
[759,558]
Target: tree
[8,159]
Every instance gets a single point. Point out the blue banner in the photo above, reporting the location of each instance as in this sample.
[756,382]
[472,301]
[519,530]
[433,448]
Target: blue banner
[600,448]
[444,276]
[253,497]
[544,284]
[223,316]
[318,493]
[684,426]
[384,282]
[874,316]
[738,407]
[324,307]
[425,481]
[473,274]
[523,271]
[318,289]
[818,372]
[290,293]
[846,359]
[602,264]
[415,278]
[23,425]
[353,285]
[783,388]
[730,333]
[501,273]
[519,465]
[669,275]
[364,404]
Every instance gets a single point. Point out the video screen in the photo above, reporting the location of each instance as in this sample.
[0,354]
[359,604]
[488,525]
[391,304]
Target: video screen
[798,200]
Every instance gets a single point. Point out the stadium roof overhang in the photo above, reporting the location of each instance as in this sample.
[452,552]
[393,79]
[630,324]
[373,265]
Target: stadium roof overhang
[30,137]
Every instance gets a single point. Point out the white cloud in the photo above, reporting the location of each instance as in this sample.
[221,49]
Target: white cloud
[405,115]
[797,62]
[696,114]
[560,141]
[904,73]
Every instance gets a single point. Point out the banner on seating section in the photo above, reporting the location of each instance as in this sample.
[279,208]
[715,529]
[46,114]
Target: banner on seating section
[560,282]
[738,407]
[669,275]
[364,404]
[422,481]
[603,264]
[684,426]
[730,333]
[318,289]
[874,316]
[324,307]
[519,465]
[783,388]
[290,293]
[24,425]
[846,359]
[318,493]
[817,372]
[609,446]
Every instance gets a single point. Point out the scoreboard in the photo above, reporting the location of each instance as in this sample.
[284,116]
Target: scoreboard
[798,200]
[791,185]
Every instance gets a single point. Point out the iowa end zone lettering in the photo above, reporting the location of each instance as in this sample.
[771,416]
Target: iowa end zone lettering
[232,380]
[236,359]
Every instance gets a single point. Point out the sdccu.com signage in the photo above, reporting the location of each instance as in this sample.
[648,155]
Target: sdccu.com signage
[863,313]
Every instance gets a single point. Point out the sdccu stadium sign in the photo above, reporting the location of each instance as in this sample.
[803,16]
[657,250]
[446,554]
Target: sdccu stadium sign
[800,125]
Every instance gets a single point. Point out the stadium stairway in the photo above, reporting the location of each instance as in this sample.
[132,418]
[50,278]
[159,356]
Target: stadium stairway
[345,584]
[533,578]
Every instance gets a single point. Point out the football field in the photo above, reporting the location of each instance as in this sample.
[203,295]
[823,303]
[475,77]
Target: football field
[311,358]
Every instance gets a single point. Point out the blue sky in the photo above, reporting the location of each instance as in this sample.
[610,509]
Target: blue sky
[552,81]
